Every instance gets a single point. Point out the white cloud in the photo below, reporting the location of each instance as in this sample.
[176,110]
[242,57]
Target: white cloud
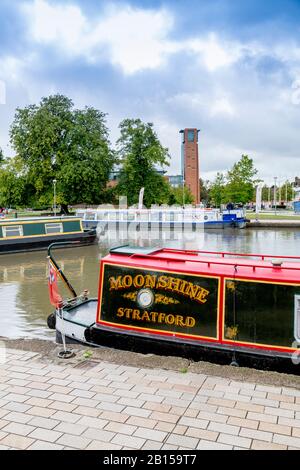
[136,38]
[219,84]
[222,106]
[188,100]
[132,38]
[57,24]
[12,68]
[214,53]
[18,73]
[216,102]
[2,92]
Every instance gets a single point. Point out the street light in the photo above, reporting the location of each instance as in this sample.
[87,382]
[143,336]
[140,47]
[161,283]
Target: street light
[54,197]
[275,195]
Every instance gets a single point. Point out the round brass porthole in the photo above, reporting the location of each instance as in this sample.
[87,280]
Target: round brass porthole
[145,298]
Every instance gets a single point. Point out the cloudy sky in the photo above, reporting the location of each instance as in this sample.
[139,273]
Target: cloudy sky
[228,67]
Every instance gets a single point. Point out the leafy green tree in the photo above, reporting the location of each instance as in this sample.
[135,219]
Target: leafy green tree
[204,191]
[86,170]
[56,141]
[14,190]
[1,156]
[217,190]
[265,193]
[140,152]
[176,196]
[286,192]
[241,181]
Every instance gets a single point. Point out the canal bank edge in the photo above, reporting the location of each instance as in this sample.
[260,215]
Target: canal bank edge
[273,224]
[88,357]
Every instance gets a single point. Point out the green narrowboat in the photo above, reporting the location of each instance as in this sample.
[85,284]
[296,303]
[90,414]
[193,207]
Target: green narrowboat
[36,233]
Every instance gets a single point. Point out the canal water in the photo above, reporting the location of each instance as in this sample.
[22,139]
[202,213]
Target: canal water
[24,301]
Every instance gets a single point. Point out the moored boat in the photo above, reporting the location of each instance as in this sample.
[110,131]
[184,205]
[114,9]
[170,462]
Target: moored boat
[225,307]
[162,218]
[297,201]
[36,233]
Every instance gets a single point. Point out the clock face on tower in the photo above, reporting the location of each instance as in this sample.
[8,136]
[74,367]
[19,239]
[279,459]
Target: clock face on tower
[191,135]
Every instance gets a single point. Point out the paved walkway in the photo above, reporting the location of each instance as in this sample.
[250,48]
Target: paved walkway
[108,406]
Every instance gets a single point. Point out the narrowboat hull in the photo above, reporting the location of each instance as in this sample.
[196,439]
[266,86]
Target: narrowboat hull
[41,242]
[211,225]
[169,218]
[89,334]
[219,307]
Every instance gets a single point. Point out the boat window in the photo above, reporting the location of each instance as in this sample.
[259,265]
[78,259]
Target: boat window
[53,228]
[12,231]
[113,216]
[187,216]
[169,216]
[262,313]
[144,216]
[155,216]
[90,216]
[102,215]
[297,318]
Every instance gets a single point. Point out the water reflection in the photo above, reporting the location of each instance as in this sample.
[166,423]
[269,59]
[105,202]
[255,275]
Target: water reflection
[24,303]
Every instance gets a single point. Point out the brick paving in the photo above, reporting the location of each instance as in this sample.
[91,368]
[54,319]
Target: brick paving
[113,407]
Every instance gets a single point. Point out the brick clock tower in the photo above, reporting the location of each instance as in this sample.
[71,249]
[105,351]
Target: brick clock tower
[190,161]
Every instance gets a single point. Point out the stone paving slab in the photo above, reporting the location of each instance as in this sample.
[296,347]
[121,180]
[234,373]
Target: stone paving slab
[110,406]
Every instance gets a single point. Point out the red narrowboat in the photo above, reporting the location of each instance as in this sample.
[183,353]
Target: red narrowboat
[223,307]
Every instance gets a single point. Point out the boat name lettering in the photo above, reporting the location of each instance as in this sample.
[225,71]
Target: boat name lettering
[167,283]
[156,317]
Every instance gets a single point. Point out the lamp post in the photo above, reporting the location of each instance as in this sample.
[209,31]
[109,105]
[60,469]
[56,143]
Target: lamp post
[275,195]
[54,197]
[279,187]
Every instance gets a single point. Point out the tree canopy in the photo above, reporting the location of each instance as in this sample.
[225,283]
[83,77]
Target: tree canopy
[178,197]
[55,141]
[217,190]
[237,185]
[140,153]
[13,184]
[241,181]
[204,190]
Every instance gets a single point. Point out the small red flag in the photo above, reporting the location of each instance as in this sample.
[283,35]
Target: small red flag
[55,297]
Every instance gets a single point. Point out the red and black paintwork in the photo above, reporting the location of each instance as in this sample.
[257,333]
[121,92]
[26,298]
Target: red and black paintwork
[219,307]
[248,313]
